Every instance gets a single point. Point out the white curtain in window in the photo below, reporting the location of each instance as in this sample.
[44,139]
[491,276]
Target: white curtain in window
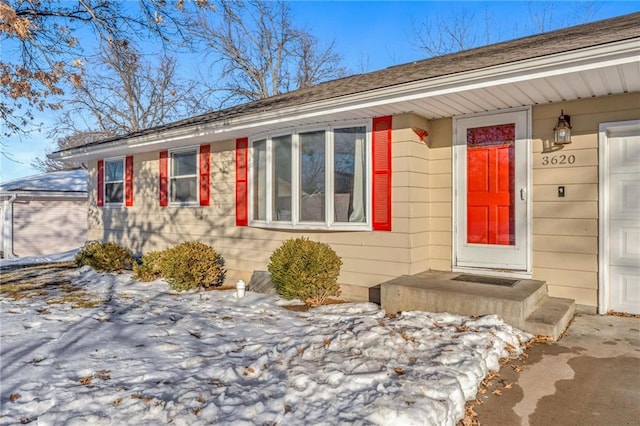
[357,215]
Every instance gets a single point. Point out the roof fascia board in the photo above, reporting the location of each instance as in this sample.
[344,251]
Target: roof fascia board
[44,194]
[611,54]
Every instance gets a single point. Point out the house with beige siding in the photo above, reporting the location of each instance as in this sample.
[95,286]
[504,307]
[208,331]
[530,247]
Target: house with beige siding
[43,214]
[447,164]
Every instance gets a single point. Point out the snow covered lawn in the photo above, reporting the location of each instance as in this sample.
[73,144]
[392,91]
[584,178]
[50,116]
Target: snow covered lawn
[104,349]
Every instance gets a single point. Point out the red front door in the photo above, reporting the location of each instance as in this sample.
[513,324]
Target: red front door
[491,181]
[491,185]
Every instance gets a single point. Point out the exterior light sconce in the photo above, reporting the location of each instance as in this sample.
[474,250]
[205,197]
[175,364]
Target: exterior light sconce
[562,131]
[420,132]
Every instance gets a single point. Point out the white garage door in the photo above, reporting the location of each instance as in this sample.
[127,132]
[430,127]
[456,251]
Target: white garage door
[621,266]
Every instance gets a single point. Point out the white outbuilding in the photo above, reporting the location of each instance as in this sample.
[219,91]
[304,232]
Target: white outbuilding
[43,214]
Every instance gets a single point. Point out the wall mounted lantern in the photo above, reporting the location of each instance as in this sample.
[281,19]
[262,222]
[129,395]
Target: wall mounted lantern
[562,131]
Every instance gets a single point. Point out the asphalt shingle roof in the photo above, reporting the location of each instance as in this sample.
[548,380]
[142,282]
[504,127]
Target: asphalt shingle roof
[563,40]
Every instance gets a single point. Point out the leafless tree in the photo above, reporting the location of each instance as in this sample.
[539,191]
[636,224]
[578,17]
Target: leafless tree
[463,28]
[43,50]
[262,53]
[122,92]
[126,92]
[313,63]
[45,164]
[547,15]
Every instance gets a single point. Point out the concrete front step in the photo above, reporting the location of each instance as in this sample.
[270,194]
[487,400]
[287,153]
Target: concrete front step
[435,291]
[551,318]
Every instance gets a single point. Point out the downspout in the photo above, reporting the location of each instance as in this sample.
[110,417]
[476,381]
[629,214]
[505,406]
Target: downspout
[7,227]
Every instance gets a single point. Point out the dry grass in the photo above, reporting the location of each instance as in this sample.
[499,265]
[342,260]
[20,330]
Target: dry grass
[78,299]
[222,287]
[50,281]
[23,290]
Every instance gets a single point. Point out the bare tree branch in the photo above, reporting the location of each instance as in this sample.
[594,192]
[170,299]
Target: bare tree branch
[261,52]
[463,29]
[45,164]
[125,93]
[44,52]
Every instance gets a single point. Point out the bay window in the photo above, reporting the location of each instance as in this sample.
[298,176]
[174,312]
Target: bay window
[314,178]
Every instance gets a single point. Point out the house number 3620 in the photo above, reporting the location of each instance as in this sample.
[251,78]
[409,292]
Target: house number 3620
[558,159]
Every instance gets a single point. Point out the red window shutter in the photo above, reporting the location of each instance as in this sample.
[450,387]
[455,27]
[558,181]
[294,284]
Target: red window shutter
[128,181]
[242,207]
[381,160]
[204,174]
[100,183]
[163,187]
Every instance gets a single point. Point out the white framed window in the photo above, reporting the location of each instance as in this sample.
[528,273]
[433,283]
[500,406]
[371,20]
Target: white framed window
[312,178]
[183,176]
[114,181]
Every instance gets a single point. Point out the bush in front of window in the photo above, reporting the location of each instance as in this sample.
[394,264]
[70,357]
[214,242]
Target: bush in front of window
[192,265]
[306,270]
[150,267]
[105,256]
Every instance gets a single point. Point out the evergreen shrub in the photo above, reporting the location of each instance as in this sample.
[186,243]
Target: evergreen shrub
[150,267]
[306,270]
[192,265]
[105,256]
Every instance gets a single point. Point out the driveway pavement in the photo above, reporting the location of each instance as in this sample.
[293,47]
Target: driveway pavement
[590,377]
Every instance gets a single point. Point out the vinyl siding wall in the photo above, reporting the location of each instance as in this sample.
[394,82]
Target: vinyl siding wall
[369,258]
[45,226]
[565,230]
[440,194]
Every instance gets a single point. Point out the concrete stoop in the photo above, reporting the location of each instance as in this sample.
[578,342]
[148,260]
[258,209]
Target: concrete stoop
[525,305]
[551,318]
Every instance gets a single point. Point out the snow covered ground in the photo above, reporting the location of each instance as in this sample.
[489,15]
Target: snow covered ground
[105,349]
[66,256]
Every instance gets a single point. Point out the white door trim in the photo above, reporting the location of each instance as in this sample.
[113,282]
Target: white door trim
[527,271]
[606,131]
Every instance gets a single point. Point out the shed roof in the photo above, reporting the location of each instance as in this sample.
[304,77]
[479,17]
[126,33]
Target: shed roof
[68,181]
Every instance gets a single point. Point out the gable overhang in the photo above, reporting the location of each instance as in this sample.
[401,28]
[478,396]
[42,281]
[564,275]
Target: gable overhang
[603,70]
[32,195]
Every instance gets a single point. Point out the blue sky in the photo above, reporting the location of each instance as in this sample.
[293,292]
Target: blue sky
[369,35]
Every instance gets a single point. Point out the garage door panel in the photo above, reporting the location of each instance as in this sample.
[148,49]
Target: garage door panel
[623,227]
[625,296]
[625,157]
[625,243]
[625,196]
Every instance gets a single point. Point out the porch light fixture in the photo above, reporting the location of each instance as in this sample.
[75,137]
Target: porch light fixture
[562,131]
[420,132]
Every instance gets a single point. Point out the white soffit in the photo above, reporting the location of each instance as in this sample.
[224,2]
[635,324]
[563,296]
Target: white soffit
[611,80]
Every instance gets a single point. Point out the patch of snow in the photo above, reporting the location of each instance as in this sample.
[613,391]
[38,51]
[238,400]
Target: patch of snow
[148,355]
[66,256]
[60,181]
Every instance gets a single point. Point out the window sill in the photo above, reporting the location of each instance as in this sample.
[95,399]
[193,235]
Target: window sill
[347,227]
[187,204]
